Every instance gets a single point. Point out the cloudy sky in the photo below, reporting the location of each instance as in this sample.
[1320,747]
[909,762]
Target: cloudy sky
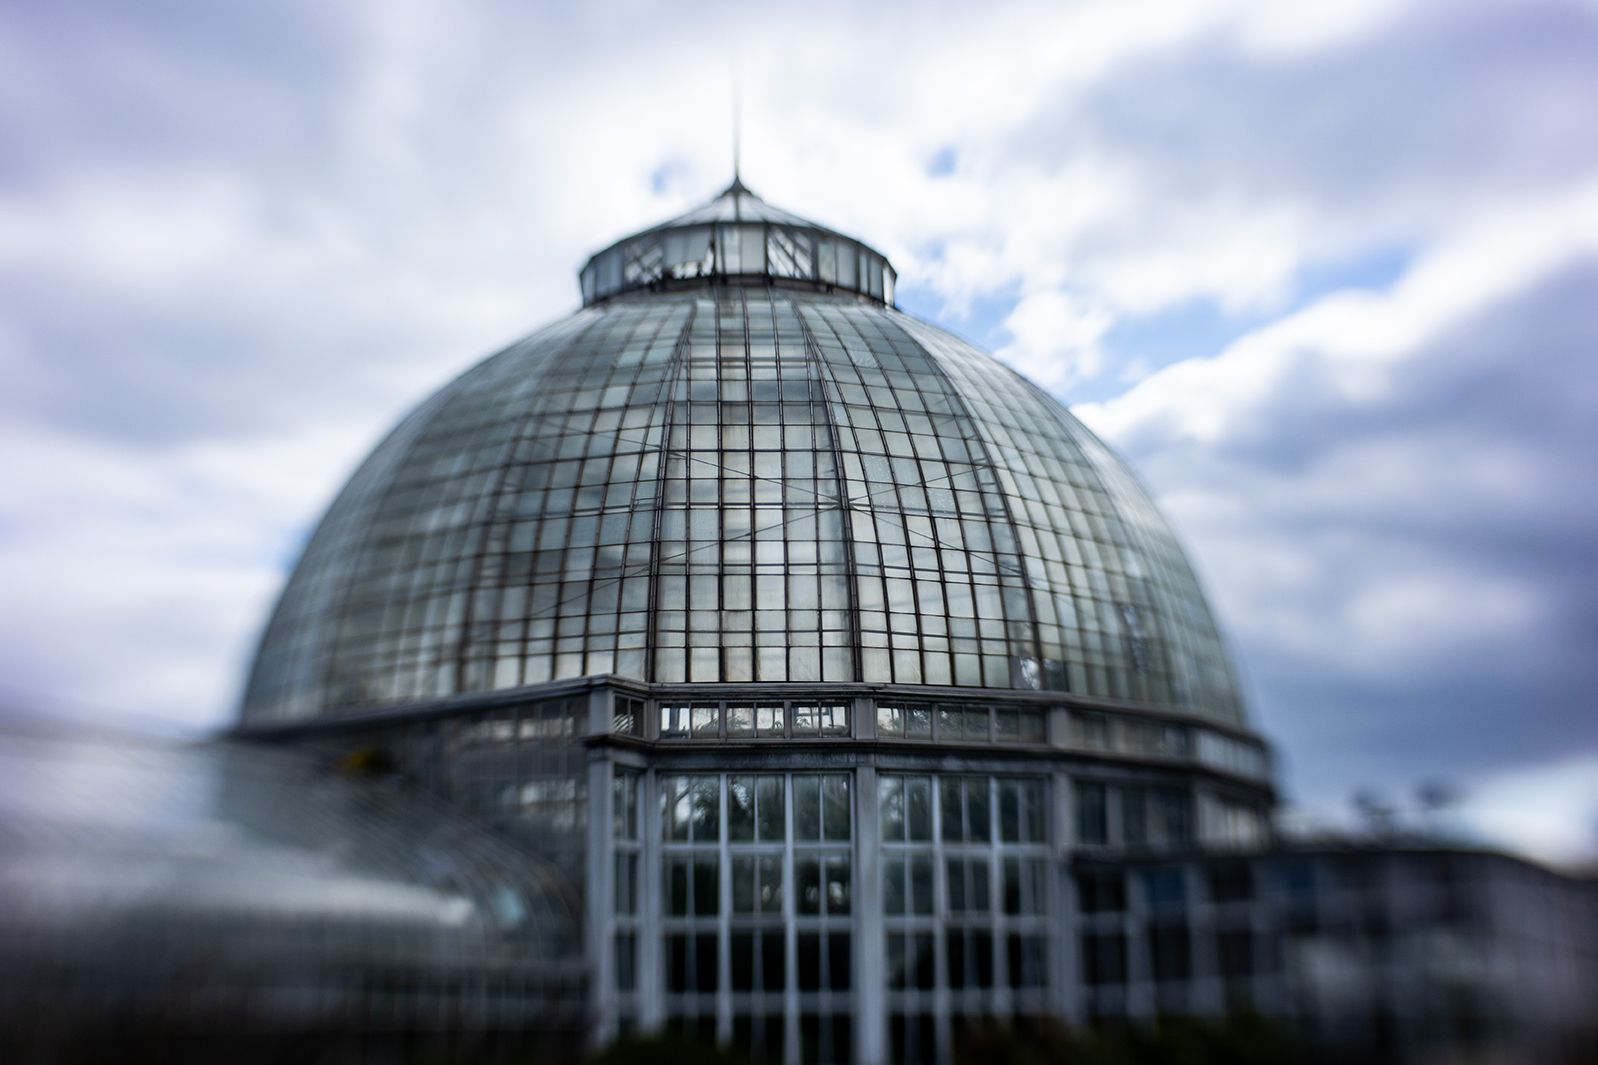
[1326,272]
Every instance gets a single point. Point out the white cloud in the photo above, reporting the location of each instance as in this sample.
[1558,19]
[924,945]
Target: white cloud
[1549,811]
[1055,338]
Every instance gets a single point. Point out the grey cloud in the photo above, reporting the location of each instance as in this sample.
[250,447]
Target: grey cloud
[1512,377]
[1454,102]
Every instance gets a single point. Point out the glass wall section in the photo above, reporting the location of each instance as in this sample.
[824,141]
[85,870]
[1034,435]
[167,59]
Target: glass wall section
[524,769]
[1119,613]
[940,584]
[757,877]
[741,719]
[626,809]
[1133,815]
[753,575]
[965,902]
[962,723]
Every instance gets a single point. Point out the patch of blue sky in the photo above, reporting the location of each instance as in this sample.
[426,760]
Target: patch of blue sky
[980,320]
[1197,328]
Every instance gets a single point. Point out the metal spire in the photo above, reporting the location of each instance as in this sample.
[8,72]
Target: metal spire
[737,124]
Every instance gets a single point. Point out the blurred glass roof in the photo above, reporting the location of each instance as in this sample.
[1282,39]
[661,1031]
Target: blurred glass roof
[123,862]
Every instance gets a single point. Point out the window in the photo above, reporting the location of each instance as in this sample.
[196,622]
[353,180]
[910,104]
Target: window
[758,878]
[754,721]
[1025,886]
[755,809]
[1092,820]
[905,807]
[823,720]
[1021,811]
[966,875]
[690,809]
[1231,882]
[1103,958]
[966,813]
[627,716]
[1164,887]
[1170,953]
[624,805]
[1101,892]
[757,884]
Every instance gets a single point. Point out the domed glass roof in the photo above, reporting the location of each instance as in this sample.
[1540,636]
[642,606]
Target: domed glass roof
[740,475]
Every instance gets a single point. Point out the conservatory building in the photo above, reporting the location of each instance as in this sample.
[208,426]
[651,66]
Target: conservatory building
[809,647]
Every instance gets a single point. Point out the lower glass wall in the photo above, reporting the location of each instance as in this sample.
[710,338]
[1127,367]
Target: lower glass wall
[757,911]
[761,925]
[965,904]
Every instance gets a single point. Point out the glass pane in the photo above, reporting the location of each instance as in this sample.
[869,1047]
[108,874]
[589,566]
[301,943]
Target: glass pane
[705,720]
[835,806]
[705,980]
[771,884]
[676,809]
[626,883]
[1006,726]
[837,884]
[921,883]
[743,961]
[950,724]
[897,968]
[976,724]
[918,723]
[956,885]
[978,810]
[743,885]
[707,883]
[740,809]
[893,886]
[918,808]
[706,809]
[807,807]
[773,825]
[769,720]
[1134,816]
[834,720]
[1091,822]
[890,721]
[677,963]
[838,972]
[773,949]
[808,945]
[950,809]
[890,802]
[955,946]
[807,879]
[677,870]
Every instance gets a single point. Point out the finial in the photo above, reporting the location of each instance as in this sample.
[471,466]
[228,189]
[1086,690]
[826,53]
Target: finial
[737,124]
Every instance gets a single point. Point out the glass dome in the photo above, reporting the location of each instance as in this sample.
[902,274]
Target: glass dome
[740,475]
